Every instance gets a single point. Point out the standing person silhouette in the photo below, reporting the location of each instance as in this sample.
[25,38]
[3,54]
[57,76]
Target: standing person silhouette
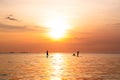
[47,54]
[77,53]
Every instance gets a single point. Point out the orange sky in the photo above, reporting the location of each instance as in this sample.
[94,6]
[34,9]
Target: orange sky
[34,25]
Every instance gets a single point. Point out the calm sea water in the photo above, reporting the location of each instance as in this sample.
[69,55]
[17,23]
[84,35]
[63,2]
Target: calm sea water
[59,66]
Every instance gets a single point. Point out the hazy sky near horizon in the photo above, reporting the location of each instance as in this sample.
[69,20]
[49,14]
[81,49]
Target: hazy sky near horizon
[88,25]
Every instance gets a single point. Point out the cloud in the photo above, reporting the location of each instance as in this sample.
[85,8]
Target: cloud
[6,27]
[10,17]
[116,24]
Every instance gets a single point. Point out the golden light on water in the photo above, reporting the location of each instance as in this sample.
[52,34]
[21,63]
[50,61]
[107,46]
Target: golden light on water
[58,58]
[57,66]
[56,78]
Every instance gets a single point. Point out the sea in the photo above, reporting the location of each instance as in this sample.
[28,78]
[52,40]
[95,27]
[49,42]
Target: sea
[59,66]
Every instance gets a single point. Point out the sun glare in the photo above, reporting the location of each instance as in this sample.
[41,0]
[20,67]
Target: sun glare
[56,34]
[58,26]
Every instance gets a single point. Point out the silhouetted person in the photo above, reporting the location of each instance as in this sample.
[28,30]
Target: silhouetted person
[47,53]
[77,53]
[73,54]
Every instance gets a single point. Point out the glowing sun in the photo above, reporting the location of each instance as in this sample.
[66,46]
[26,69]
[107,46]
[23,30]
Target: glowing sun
[58,26]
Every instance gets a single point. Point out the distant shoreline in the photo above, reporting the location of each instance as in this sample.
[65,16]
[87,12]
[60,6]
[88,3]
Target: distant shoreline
[59,52]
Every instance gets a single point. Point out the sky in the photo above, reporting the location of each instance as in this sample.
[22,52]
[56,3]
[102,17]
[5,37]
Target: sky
[60,25]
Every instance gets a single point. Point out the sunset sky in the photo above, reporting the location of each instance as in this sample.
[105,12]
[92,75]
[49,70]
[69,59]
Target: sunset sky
[60,25]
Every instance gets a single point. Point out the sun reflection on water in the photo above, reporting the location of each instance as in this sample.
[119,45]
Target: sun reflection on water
[57,67]
[55,78]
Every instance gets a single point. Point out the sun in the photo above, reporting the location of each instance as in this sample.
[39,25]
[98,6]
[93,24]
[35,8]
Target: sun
[57,34]
[58,26]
